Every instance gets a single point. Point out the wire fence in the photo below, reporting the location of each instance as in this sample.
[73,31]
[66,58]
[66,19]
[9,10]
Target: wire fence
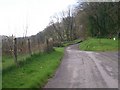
[26,46]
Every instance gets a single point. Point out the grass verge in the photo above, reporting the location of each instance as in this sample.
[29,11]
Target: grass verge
[94,44]
[35,71]
[8,61]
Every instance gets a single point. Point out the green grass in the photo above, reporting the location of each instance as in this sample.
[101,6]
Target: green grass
[94,44]
[0,73]
[8,61]
[34,72]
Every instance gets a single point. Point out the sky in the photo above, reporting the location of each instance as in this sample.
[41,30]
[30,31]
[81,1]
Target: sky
[15,15]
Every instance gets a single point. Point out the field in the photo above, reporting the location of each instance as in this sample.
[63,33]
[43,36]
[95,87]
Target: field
[33,72]
[93,44]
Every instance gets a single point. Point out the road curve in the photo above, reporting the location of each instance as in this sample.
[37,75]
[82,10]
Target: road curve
[85,69]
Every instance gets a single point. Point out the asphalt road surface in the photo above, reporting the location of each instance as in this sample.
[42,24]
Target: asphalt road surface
[86,69]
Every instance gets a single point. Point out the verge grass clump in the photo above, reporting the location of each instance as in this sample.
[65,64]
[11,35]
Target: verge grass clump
[34,71]
[99,44]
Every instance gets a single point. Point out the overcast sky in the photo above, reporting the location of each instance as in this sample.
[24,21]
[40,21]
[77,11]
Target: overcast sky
[15,14]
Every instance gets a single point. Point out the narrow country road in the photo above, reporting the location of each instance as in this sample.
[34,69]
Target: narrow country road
[86,69]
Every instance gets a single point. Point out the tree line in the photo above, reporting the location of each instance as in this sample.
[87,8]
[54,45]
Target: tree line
[87,19]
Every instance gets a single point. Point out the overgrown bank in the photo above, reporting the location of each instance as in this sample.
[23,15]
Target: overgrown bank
[35,71]
[96,44]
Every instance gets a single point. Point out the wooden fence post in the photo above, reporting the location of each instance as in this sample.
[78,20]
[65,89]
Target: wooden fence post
[39,45]
[48,46]
[15,51]
[29,47]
